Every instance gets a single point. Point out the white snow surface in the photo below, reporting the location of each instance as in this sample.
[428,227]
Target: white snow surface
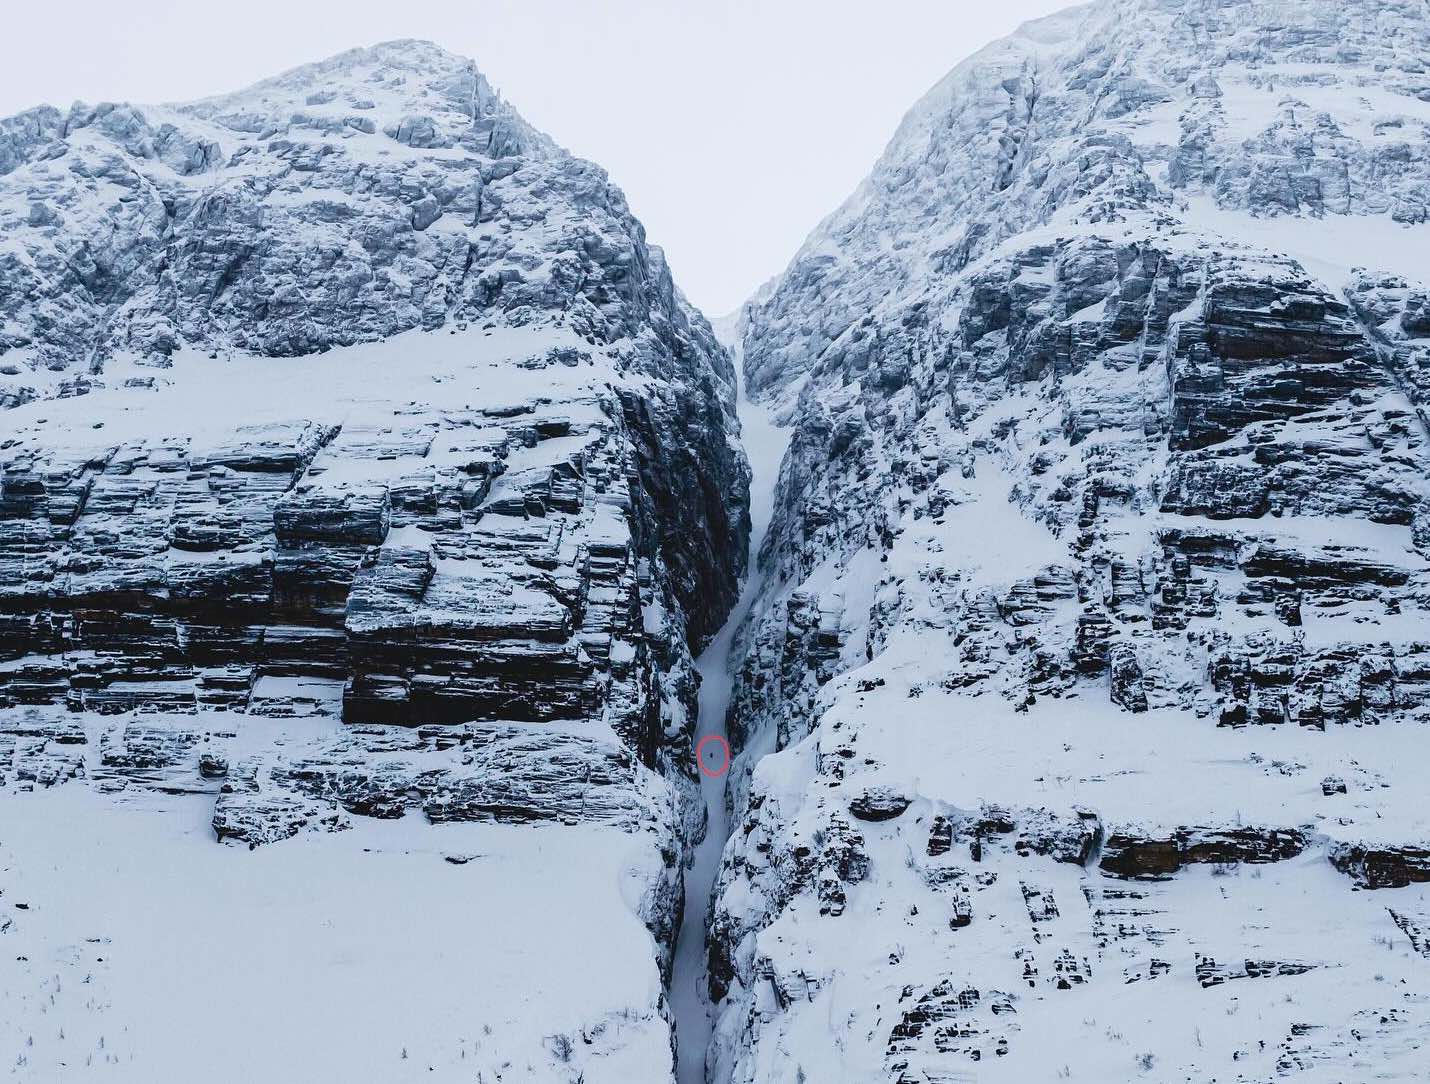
[207,398]
[146,953]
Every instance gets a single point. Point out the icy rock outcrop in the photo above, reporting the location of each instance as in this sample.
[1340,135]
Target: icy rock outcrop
[363,463]
[1098,585]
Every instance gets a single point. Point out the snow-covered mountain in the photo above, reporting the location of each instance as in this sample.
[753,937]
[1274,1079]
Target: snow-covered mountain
[367,490]
[367,487]
[1086,706]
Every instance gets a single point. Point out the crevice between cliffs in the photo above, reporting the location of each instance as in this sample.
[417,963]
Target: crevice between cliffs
[765,445]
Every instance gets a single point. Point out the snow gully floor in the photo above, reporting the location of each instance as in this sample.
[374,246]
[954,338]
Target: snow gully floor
[765,446]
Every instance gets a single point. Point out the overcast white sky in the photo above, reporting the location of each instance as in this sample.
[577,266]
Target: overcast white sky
[734,126]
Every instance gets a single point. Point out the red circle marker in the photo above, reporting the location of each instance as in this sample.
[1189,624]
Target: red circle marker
[724,749]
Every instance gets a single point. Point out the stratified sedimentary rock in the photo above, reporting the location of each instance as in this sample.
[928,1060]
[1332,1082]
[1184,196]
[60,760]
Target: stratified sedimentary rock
[365,478]
[1095,641]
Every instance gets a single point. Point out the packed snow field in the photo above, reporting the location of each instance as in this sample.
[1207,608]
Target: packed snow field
[380,531]
[137,950]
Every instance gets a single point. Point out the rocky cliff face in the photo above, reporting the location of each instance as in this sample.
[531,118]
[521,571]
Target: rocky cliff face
[1094,649]
[365,472]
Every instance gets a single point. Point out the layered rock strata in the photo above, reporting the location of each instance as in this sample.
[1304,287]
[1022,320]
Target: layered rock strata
[1094,648]
[363,465]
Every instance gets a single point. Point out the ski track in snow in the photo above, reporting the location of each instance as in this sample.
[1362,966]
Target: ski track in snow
[765,445]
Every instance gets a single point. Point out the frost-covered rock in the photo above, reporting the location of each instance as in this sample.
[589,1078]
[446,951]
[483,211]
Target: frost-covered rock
[366,487]
[1101,542]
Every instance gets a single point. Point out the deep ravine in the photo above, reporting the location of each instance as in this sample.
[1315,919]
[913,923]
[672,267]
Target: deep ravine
[765,445]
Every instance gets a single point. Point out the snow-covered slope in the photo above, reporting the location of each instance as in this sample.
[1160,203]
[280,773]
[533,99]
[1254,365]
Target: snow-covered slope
[1093,662]
[367,487]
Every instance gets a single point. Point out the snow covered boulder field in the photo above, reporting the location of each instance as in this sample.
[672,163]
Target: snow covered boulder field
[367,487]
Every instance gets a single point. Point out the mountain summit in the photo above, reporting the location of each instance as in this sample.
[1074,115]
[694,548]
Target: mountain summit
[1134,112]
[384,189]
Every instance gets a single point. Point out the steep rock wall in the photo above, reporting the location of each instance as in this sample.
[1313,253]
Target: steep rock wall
[363,467]
[1093,654]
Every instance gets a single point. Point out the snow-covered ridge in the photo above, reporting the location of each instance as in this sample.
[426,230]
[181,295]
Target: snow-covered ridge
[1271,109]
[384,189]
[1090,672]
